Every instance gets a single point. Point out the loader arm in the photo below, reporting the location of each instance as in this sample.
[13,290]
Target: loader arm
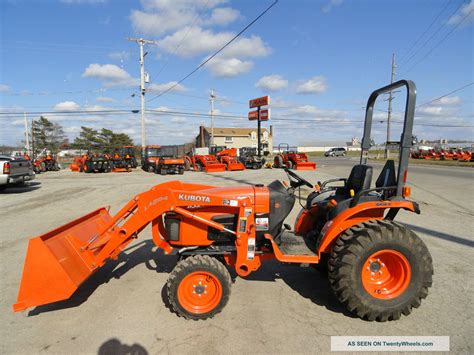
[58,262]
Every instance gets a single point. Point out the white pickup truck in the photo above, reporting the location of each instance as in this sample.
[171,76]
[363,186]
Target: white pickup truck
[14,171]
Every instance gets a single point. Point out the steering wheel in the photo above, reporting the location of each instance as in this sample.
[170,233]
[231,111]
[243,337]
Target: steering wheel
[296,180]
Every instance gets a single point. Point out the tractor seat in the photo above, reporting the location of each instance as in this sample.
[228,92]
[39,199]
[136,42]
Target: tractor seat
[359,179]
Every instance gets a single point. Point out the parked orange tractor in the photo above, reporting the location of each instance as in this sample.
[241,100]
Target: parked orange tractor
[203,161]
[291,159]
[92,163]
[227,156]
[378,268]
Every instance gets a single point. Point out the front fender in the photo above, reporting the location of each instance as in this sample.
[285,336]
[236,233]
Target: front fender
[363,212]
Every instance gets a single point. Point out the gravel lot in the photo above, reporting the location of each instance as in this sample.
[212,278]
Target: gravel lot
[279,309]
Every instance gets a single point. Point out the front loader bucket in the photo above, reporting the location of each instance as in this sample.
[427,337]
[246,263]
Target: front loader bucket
[57,262]
[308,165]
[214,168]
[235,166]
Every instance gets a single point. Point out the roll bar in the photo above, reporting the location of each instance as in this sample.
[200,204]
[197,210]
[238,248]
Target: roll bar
[406,141]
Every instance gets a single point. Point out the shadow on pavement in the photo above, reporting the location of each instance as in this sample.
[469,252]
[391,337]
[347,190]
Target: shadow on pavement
[141,253]
[113,346]
[440,235]
[304,280]
[19,189]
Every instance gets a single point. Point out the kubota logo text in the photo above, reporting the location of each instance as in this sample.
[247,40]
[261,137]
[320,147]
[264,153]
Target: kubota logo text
[194,198]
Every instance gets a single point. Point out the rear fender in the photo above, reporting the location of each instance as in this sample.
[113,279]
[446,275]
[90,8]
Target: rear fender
[363,212]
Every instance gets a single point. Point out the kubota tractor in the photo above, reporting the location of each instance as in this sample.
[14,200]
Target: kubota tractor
[291,159]
[227,156]
[163,160]
[378,268]
[204,161]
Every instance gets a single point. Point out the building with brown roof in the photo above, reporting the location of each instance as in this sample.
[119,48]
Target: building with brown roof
[235,137]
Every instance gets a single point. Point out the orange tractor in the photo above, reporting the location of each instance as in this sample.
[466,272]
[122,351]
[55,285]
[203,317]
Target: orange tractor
[378,268]
[203,161]
[123,159]
[291,159]
[227,157]
[92,163]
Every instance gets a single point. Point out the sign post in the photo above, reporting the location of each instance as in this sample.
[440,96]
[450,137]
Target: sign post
[259,115]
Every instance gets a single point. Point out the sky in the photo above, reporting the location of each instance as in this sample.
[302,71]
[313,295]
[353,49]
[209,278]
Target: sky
[318,60]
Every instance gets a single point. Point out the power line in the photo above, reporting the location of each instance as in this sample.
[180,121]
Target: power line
[182,39]
[439,43]
[448,94]
[47,93]
[430,38]
[320,121]
[425,32]
[215,53]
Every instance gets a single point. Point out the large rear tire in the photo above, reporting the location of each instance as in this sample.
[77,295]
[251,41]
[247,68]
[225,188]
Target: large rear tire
[278,162]
[198,287]
[379,270]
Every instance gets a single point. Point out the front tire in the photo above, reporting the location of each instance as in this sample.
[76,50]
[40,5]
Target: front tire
[379,270]
[199,287]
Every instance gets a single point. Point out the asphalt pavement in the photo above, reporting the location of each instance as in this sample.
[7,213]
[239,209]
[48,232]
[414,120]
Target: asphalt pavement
[278,309]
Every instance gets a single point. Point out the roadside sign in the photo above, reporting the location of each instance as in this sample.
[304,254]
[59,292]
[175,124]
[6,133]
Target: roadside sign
[265,114]
[261,101]
[253,115]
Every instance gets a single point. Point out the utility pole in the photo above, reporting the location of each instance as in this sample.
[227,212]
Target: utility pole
[27,134]
[32,141]
[211,99]
[389,114]
[141,42]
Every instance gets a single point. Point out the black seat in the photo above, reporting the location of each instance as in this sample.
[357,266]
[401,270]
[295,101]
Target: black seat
[387,178]
[359,179]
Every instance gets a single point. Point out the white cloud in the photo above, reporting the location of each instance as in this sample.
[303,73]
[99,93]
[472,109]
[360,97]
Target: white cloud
[201,41]
[449,100]
[184,28]
[4,88]
[330,5]
[272,82]
[120,56]
[315,85]
[466,10]
[166,86]
[227,68]
[66,106]
[163,16]
[178,120]
[105,99]
[223,16]
[197,41]
[110,74]
[431,110]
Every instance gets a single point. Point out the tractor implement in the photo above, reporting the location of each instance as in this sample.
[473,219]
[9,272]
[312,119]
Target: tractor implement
[305,165]
[377,268]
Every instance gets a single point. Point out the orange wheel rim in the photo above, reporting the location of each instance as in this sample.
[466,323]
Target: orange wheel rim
[199,292]
[386,274]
